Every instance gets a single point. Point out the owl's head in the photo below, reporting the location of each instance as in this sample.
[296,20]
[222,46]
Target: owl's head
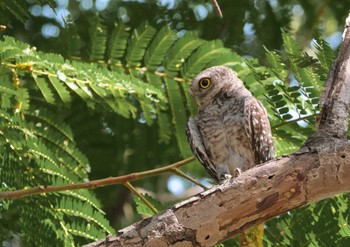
[208,84]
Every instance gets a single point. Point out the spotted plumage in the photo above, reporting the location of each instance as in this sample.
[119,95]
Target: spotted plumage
[231,132]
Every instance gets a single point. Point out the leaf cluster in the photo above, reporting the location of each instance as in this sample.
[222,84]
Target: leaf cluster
[164,59]
[291,83]
[325,223]
[38,149]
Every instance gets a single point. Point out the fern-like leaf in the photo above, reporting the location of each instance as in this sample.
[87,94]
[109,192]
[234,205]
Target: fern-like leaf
[118,43]
[140,39]
[143,209]
[98,39]
[60,89]
[181,50]
[324,52]
[158,48]
[44,88]
[201,57]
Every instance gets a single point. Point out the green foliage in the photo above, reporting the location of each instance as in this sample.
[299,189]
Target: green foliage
[143,209]
[92,84]
[19,9]
[327,225]
[118,43]
[291,84]
[38,148]
[162,59]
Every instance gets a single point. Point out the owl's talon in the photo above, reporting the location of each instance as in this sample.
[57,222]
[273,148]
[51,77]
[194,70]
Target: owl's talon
[224,176]
[237,172]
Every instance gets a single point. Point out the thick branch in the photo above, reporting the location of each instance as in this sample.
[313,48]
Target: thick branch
[335,100]
[255,196]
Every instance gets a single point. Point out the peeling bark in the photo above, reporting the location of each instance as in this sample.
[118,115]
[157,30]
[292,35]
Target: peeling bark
[318,170]
[255,196]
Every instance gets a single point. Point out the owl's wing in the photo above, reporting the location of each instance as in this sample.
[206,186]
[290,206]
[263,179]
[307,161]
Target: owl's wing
[196,143]
[258,130]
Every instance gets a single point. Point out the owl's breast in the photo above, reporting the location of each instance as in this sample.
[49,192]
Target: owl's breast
[224,136]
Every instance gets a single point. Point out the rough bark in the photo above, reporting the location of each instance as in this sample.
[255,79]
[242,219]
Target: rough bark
[335,99]
[318,170]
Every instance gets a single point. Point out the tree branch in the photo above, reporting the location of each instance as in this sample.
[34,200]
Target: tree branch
[255,196]
[317,171]
[217,7]
[94,183]
[335,100]
[293,121]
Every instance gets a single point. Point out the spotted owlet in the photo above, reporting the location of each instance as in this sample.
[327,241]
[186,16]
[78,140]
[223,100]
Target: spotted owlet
[231,132]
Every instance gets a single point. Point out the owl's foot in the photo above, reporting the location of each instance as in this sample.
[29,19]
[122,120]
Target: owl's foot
[237,172]
[225,176]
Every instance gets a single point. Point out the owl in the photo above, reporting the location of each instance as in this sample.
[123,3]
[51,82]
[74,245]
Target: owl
[231,132]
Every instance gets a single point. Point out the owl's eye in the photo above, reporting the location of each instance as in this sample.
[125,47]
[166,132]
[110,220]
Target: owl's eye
[204,83]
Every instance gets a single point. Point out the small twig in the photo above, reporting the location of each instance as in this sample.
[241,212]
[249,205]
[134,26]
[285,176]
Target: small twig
[91,184]
[133,189]
[217,7]
[294,120]
[178,172]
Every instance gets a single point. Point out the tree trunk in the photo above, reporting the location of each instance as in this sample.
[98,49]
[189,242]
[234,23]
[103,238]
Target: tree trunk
[318,170]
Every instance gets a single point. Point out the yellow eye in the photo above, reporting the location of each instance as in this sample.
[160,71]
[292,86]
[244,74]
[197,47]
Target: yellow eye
[204,83]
